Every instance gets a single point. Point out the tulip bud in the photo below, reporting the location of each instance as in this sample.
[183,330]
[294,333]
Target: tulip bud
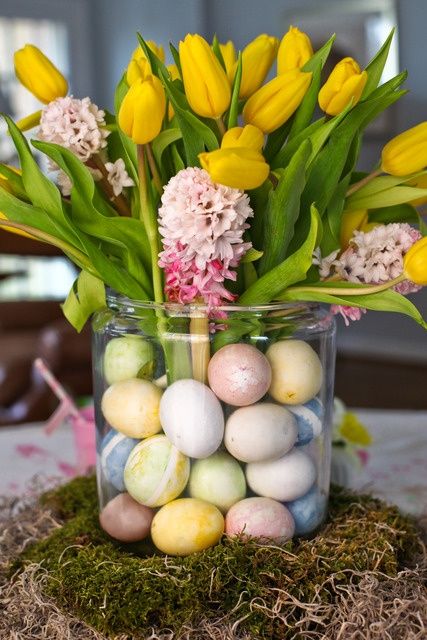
[420,183]
[257,58]
[294,51]
[277,100]
[205,82]
[249,137]
[228,53]
[345,83]
[415,263]
[407,152]
[237,167]
[139,66]
[138,52]
[39,75]
[143,109]
[352,221]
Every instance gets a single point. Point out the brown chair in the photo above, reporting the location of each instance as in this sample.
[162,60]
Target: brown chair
[32,328]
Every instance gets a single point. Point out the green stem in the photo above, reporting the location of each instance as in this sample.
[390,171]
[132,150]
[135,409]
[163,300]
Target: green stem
[148,217]
[350,291]
[221,127]
[153,167]
[358,185]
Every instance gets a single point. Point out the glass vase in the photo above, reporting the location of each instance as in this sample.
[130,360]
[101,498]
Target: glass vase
[212,422]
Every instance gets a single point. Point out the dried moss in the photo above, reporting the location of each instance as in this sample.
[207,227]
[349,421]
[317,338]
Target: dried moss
[117,591]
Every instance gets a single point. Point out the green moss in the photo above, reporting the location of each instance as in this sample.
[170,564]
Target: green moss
[117,591]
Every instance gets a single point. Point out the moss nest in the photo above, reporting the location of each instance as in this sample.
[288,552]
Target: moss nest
[363,573]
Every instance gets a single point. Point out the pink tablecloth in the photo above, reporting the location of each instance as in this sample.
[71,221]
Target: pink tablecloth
[396,469]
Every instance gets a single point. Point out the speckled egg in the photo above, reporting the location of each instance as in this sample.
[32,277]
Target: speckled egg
[115,450]
[308,511]
[260,518]
[132,407]
[285,479]
[125,519]
[218,479]
[156,472]
[263,431]
[192,418]
[309,418]
[124,358]
[187,526]
[239,374]
[296,371]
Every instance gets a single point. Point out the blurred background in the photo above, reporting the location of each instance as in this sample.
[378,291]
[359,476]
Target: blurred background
[382,359]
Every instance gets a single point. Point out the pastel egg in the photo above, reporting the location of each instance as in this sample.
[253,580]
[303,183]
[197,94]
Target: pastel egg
[124,358]
[218,479]
[262,431]
[126,520]
[296,371]
[115,450]
[285,479]
[187,526]
[260,518]
[156,472]
[132,407]
[308,511]
[239,374]
[309,418]
[192,418]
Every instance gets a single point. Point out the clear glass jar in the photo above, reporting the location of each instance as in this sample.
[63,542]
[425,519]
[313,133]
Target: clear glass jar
[212,423]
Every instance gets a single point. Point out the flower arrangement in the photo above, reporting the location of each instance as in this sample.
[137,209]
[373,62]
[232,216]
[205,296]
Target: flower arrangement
[212,185]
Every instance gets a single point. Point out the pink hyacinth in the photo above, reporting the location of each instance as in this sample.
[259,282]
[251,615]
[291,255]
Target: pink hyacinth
[202,224]
[348,313]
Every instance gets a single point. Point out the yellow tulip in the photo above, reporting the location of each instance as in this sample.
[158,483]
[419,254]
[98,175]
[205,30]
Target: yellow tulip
[238,167]
[277,100]
[415,263]
[139,66]
[352,221]
[257,58]
[39,75]
[407,152]
[143,109]
[205,82]
[228,53]
[174,74]
[346,82]
[249,137]
[157,49]
[294,51]
[419,183]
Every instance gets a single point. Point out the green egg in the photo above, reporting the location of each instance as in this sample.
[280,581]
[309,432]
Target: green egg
[219,480]
[127,357]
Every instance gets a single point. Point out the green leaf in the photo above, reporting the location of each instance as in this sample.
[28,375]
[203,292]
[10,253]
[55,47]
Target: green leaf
[86,296]
[178,162]
[157,66]
[321,55]
[304,113]
[292,270]
[163,140]
[386,198]
[15,181]
[283,210]
[320,136]
[396,213]
[234,104]
[276,140]
[376,66]
[283,157]
[333,218]
[388,300]
[251,256]
[217,51]
[175,56]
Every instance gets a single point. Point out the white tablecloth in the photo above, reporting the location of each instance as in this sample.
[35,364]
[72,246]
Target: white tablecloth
[396,469]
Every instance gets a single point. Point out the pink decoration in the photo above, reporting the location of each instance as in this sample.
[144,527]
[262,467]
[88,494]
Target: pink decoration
[202,224]
[348,313]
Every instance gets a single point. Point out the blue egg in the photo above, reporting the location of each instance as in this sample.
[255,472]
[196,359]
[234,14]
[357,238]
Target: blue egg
[309,417]
[308,511]
[115,450]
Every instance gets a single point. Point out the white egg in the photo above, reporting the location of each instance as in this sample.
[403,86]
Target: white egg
[262,431]
[285,479]
[192,418]
[296,371]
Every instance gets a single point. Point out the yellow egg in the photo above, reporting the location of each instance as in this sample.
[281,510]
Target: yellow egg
[187,526]
[296,371]
[132,407]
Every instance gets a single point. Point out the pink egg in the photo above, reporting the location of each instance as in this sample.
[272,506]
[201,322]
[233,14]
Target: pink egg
[260,518]
[239,374]
[125,519]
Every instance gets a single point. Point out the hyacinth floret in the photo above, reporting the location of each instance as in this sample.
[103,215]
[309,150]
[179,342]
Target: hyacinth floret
[75,124]
[202,225]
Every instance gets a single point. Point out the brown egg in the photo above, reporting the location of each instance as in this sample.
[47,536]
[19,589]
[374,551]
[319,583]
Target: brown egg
[125,519]
[239,374]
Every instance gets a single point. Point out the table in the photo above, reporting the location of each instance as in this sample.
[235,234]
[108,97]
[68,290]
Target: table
[396,470]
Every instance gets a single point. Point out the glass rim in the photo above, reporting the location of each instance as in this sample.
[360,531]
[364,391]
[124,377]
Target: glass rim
[117,300]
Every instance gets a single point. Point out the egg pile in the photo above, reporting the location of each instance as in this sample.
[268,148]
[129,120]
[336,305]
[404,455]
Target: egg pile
[194,461]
